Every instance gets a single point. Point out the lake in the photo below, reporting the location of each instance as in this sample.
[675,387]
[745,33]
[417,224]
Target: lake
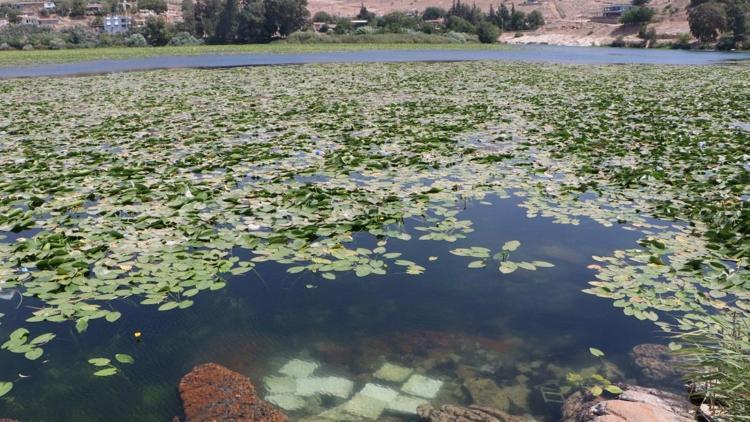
[426,230]
[531,53]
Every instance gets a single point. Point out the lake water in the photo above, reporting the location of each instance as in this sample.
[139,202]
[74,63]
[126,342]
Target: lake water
[533,53]
[522,330]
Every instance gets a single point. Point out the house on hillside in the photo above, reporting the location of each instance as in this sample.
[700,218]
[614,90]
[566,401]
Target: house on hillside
[117,24]
[31,20]
[94,9]
[28,7]
[49,22]
[615,10]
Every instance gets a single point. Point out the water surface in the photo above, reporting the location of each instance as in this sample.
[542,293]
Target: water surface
[528,53]
[522,330]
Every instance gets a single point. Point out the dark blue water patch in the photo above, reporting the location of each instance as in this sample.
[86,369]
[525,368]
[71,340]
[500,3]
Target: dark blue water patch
[268,316]
[529,53]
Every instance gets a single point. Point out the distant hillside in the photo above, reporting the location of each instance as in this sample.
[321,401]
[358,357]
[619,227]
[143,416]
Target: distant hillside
[568,21]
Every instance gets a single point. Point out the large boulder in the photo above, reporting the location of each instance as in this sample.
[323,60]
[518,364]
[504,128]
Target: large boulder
[211,392]
[635,404]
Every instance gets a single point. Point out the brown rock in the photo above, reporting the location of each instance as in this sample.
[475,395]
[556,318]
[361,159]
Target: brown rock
[211,392]
[450,413]
[635,404]
[656,361]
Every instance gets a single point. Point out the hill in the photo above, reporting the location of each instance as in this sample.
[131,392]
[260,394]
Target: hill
[569,22]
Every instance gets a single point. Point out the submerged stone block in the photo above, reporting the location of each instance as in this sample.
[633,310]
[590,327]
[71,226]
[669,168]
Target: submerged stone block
[286,401]
[406,404]
[330,386]
[297,368]
[393,373]
[422,386]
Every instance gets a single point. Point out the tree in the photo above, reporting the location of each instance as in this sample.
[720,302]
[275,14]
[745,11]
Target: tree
[188,17]
[432,13]
[637,14]
[250,28]
[517,20]
[323,17]
[14,16]
[282,17]
[226,29]
[459,24]
[343,26]
[158,6]
[77,8]
[737,21]
[707,21]
[487,32]
[365,14]
[534,20]
[397,22]
[156,31]
[504,16]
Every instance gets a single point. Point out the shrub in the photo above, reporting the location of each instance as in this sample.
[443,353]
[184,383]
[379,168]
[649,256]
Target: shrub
[459,24]
[432,13]
[184,38]
[56,44]
[534,20]
[136,40]
[725,43]
[487,33]
[682,42]
[638,14]
[619,42]
[4,47]
[323,17]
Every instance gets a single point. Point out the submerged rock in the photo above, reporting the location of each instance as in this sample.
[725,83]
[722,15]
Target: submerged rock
[211,392]
[656,361]
[473,413]
[485,392]
[635,404]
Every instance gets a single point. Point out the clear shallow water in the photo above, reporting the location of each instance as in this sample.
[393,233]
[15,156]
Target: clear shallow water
[532,53]
[448,322]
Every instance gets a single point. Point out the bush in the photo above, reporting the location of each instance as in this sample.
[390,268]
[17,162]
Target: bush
[4,47]
[619,42]
[432,13]
[184,38]
[487,33]
[682,42]
[27,47]
[534,20]
[323,17]
[725,43]
[638,14]
[136,40]
[56,44]
[459,24]
[304,37]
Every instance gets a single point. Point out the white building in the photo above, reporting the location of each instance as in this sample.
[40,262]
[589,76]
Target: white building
[116,24]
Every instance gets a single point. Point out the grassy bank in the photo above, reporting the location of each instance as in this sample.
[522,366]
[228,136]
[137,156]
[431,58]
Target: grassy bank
[29,58]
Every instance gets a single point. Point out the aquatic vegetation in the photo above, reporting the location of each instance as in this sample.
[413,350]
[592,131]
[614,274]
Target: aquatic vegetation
[105,366]
[159,186]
